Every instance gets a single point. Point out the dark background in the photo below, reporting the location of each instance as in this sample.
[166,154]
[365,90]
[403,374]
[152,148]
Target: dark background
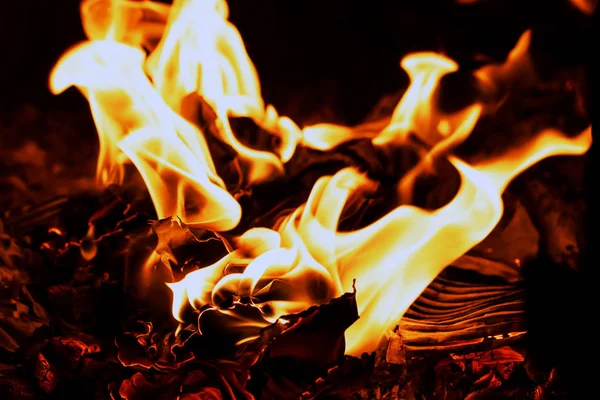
[337,53]
[333,59]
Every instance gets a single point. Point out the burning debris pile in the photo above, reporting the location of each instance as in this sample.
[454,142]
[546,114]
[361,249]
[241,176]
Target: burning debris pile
[233,253]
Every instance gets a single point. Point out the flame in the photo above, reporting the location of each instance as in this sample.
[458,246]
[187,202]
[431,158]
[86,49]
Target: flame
[494,79]
[394,259]
[137,23]
[415,112]
[585,6]
[203,53]
[140,106]
[588,7]
[134,123]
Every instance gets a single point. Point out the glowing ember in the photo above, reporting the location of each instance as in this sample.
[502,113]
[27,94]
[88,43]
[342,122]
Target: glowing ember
[139,103]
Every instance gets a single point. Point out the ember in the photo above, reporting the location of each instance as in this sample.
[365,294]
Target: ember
[236,249]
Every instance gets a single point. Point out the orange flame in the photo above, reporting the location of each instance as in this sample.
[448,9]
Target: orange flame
[415,112]
[415,109]
[137,23]
[202,52]
[496,77]
[587,7]
[134,123]
[138,106]
[394,259]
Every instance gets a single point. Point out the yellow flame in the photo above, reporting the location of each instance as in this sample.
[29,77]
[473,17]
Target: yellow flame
[394,259]
[202,52]
[415,112]
[134,123]
[137,23]
[195,49]
[137,102]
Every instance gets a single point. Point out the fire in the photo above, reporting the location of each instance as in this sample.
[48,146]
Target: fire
[135,124]
[203,53]
[585,6]
[137,23]
[394,259]
[143,65]
[415,113]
